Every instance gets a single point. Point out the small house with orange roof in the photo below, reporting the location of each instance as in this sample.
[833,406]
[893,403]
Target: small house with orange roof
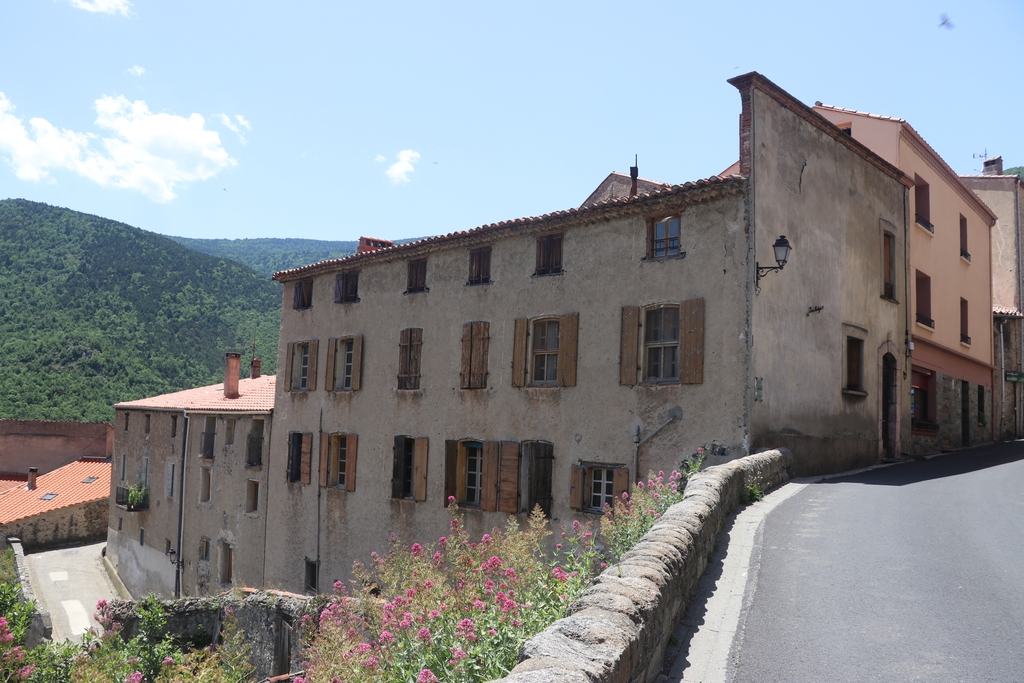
[187,510]
[65,506]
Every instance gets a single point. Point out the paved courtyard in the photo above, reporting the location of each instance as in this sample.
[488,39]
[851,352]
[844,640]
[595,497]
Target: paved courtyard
[69,582]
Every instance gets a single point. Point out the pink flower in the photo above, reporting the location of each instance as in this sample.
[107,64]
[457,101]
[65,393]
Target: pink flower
[486,538]
[136,677]
[434,614]
[424,634]
[417,550]
[167,661]
[426,676]
[443,542]
[640,485]
[491,632]
[386,638]
[479,604]
[576,525]
[26,672]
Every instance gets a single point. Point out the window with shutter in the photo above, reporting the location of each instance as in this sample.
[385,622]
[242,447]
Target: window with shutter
[346,287]
[549,255]
[475,340]
[540,457]
[303,294]
[417,276]
[410,345]
[479,266]
[630,339]
[409,473]
[338,461]
[691,331]
[342,361]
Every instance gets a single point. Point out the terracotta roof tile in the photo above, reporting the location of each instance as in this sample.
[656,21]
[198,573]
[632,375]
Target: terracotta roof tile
[1006,311]
[67,482]
[696,188]
[254,396]
[859,113]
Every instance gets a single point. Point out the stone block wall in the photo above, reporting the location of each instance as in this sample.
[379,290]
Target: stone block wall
[618,630]
[814,455]
[74,524]
[949,418]
[42,626]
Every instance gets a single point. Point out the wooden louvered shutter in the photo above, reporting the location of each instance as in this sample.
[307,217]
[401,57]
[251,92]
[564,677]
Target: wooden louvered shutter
[620,482]
[351,453]
[691,329]
[339,288]
[398,468]
[520,353]
[415,351]
[508,478]
[630,344]
[289,357]
[451,471]
[419,470]
[465,371]
[568,335]
[404,361]
[325,447]
[305,463]
[357,362]
[489,476]
[578,487]
[332,350]
[478,367]
[314,347]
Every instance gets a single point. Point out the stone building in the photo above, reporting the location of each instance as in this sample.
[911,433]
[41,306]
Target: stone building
[49,444]
[551,360]
[189,487]
[949,286]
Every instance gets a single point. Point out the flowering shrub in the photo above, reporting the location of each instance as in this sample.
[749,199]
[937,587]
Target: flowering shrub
[456,611]
[625,522]
[12,657]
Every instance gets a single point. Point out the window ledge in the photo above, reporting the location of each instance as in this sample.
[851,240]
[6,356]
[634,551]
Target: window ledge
[479,284]
[254,467]
[416,291]
[558,274]
[349,301]
[929,231]
[889,299]
[924,327]
[966,345]
[661,383]
[966,260]
[858,393]
[668,257]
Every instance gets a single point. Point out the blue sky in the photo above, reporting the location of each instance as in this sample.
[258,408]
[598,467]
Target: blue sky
[331,120]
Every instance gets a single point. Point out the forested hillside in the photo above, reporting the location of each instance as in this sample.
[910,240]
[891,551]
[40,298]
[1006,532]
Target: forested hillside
[93,312]
[1016,170]
[270,254]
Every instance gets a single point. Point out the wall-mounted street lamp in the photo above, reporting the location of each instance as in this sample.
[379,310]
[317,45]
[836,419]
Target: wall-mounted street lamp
[781,249]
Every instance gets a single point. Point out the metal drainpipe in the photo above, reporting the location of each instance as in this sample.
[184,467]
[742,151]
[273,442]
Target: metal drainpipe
[181,506]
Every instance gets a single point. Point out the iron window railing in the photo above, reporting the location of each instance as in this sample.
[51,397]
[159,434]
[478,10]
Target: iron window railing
[965,338]
[924,223]
[132,498]
[925,320]
[254,451]
[966,254]
[206,444]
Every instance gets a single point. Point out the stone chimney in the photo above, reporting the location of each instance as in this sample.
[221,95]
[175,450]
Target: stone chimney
[634,173]
[993,166]
[231,367]
[254,369]
[32,472]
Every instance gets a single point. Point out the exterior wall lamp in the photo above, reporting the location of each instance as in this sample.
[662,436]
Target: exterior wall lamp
[781,249]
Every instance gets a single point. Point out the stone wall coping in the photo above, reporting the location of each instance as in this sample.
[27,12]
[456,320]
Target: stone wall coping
[42,625]
[617,631]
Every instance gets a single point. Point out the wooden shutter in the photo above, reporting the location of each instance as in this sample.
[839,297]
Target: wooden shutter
[419,470]
[398,469]
[339,288]
[332,350]
[568,334]
[465,371]
[630,344]
[289,357]
[508,478]
[520,352]
[691,322]
[578,487]
[415,350]
[489,476]
[297,295]
[325,448]
[305,463]
[351,452]
[314,347]
[357,361]
[542,457]
[451,470]
[620,482]
[478,369]
[403,358]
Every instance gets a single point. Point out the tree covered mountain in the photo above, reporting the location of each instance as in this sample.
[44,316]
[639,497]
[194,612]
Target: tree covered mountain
[268,255]
[1016,170]
[93,312]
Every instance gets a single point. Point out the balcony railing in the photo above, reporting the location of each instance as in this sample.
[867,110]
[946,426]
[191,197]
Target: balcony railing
[925,320]
[966,254]
[254,451]
[206,444]
[924,223]
[964,338]
[132,498]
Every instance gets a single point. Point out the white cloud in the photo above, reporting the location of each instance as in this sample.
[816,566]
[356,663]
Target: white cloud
[122,7]
[147,152]
[235,128]
[400,170]
[379,159]
[136,70]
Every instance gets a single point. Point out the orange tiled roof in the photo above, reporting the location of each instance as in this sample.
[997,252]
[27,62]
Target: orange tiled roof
[1006,311]
[254,395]
[67,482]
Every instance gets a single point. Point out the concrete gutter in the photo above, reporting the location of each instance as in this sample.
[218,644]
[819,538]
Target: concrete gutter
[119,586]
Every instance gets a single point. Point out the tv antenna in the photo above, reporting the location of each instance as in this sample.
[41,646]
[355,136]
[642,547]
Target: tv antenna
[983,155]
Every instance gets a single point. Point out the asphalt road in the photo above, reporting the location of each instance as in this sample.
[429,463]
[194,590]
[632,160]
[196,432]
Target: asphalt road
[911,572]
[69,582]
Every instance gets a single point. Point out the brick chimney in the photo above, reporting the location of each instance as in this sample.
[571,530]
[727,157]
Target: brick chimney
[993,166]
[32,472]
[634,173]
[254,368]
[231,367]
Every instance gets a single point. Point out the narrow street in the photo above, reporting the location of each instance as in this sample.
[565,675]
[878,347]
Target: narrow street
[909,572]
[69,582]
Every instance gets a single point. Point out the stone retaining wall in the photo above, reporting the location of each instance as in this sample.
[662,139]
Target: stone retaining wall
[42,627]
[71,525]
[618,629]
